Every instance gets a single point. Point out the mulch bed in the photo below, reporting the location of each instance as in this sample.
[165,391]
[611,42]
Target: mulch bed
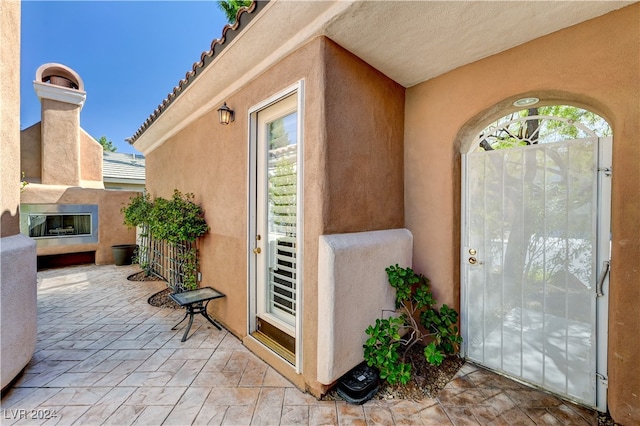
[160,299]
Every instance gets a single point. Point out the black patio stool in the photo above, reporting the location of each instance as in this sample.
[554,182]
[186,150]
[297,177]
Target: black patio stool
[195,301]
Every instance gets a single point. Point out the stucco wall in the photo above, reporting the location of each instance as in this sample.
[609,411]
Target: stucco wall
[31,153]
[111,230]
[17,253]
[593,65]
[90,160]
[60,146]
[344,118]
[10,116]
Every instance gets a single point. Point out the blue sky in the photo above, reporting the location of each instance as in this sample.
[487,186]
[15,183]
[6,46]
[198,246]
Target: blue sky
[129,54]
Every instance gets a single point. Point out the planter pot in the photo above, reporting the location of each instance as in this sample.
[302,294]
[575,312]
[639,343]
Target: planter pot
[123,254]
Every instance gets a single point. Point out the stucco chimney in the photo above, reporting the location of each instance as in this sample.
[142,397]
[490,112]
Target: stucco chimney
[62,95]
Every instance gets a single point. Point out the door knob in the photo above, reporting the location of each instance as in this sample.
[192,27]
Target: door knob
[473,260]
[257,250]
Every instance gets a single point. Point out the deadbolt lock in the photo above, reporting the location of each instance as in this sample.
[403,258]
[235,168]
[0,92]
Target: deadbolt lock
[472,252]
[257,250]
[258,237]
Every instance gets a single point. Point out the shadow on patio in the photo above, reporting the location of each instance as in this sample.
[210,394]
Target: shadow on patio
[105,356]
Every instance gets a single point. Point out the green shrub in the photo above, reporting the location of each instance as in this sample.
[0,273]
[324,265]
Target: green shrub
[415,304]
[176,220]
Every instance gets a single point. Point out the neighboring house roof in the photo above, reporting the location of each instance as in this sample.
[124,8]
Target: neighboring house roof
[123,168]
[244,16]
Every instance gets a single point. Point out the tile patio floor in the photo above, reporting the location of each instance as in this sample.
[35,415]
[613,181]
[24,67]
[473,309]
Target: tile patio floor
[104,356]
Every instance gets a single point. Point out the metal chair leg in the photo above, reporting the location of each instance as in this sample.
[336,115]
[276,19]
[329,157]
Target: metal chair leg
[186,332]
[175,327]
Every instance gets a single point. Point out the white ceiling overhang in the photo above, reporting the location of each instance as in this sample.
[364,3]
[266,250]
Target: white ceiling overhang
[409,41]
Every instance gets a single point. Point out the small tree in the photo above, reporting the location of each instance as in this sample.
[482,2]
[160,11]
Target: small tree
[107,145]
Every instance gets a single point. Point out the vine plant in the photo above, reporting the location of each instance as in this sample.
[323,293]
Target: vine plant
[175,221]
[418,320]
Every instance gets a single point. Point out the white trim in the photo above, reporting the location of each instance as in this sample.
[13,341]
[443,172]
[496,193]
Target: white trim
[464,326]
[300,227]
[275,98]
[252,300]
[605,148]
[251,221]
[58,93]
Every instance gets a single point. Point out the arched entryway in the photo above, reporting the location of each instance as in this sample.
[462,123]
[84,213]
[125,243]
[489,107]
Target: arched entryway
[535,249]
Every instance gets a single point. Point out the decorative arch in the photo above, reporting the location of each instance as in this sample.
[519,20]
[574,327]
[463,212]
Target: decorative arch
[465,137]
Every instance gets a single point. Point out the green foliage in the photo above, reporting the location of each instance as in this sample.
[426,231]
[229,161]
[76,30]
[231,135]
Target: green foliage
[231,7]
[413,300]
[433,355]
[381,350]
[138,211]
[562,122]
[442,325]
[176,220]
[107,145]
[188,263]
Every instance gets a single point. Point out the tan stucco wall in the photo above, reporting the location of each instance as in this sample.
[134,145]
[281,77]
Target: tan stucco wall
[31,154]
[10,116]
[90,159]
[111,230]
[60,143]
[344,118]
[594,65]
[18,283]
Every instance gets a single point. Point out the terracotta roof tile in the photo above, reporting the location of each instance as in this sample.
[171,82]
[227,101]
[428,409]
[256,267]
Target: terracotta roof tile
[228,33]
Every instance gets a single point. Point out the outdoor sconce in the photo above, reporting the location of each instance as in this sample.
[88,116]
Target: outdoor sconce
[225,114]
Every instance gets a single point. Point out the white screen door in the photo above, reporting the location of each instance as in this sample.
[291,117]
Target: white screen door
[530,263]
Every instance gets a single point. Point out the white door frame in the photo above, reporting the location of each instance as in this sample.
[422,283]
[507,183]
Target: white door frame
[252,213]
[604,165]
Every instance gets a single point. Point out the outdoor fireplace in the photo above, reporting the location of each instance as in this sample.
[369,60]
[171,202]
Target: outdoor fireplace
[60,224]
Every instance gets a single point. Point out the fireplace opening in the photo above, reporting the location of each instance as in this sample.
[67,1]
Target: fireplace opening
[60,224]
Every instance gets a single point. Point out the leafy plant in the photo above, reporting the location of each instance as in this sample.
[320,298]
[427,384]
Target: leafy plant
[415,304]
[381,350]
[138,210]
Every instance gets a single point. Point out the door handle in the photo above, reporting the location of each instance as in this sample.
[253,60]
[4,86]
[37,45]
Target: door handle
[257,250]
[603,274]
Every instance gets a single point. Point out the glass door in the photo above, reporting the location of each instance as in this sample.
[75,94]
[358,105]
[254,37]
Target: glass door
[276,226]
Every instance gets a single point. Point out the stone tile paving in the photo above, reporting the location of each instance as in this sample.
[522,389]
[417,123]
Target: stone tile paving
[106,357]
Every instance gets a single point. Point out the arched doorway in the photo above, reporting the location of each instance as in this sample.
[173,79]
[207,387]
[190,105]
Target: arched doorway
[535,250]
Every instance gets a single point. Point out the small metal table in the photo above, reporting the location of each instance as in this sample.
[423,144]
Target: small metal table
[195,301]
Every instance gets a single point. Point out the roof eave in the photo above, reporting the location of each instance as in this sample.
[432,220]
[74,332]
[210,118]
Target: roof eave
[245,57]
